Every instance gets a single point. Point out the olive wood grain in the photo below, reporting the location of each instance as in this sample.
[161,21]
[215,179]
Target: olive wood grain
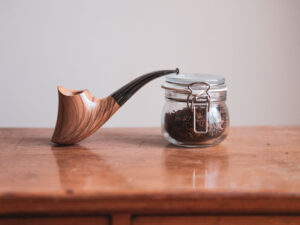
[80,114]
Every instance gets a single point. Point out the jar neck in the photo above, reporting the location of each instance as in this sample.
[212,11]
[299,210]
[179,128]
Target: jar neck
[181,93]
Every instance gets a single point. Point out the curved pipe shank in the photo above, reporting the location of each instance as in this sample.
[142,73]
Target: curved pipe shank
[125,92]
[80,114]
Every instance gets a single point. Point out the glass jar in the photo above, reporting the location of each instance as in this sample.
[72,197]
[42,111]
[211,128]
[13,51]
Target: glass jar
[195,113]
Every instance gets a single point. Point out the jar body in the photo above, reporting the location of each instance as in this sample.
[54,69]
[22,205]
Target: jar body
[181,122]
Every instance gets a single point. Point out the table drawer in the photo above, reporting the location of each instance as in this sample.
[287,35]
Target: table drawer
[216,220]
[56,221]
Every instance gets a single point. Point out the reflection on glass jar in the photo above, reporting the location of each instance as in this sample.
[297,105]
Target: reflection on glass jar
[195,113]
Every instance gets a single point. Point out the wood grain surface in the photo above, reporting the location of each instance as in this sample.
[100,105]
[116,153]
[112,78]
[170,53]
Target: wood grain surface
[134,170]
[217,220]
[80,114]
[55,221]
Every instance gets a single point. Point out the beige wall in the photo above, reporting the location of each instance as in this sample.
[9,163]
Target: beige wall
[101,45]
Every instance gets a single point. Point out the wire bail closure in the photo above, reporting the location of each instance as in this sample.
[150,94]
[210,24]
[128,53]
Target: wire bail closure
[189,91]
[200,105]
[203,95]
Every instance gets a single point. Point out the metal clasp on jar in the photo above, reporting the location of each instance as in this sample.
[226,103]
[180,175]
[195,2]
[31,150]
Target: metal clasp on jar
[199,101]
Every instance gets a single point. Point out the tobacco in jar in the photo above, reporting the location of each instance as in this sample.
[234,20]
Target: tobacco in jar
[195,113]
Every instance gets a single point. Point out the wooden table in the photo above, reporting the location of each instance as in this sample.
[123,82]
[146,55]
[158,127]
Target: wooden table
[133,176]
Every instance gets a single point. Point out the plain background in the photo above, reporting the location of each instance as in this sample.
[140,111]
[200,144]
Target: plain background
[101,45]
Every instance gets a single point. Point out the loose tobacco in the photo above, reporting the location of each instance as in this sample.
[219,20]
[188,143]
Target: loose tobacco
[180,124]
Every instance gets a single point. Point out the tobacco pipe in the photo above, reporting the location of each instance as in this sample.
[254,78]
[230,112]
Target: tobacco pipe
[80,114]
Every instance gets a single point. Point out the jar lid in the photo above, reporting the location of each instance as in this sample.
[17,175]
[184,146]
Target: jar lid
[192,78]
